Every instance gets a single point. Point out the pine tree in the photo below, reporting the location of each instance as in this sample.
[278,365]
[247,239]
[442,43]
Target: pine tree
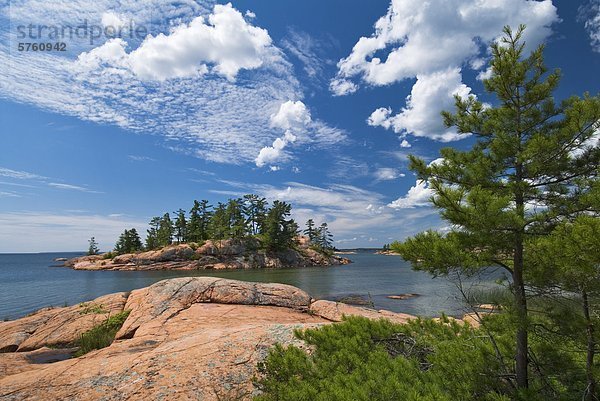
[528,155]
[569,259]
[279,232]
[152,234]
[199,221]
[165,231]
[255,209]
[324,236]
[219,223]
[180,226]
[93,248]
[310,231]
[235,217]
[129,241]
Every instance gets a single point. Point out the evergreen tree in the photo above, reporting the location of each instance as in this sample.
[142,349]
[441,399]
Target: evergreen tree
[199,221]
[255,209]
[165,231]
[529,153]
[129,242]
[569,259]
[279,232]
[235,217]
[219,223]
[310,231]
[93,248]
[324,237]
[181,226]
[152,234]
[194,223]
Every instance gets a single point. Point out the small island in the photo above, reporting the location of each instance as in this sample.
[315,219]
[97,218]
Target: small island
[243,233]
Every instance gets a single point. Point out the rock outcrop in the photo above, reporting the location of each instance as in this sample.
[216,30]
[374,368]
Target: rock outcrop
[226,254]
[184,338]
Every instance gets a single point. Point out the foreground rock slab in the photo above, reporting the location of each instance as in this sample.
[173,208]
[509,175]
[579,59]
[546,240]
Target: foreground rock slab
[185,338]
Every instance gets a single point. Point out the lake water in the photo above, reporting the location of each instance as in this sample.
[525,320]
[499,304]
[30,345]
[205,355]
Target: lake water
[29,282]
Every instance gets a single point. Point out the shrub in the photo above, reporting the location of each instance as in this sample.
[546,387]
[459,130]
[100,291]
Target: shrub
[101,336]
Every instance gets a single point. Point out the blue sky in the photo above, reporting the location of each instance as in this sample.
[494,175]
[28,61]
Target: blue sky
[301,101]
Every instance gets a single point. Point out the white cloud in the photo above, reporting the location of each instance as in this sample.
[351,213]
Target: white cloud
[208,117]
[114,20]
[24,175]
[380,117]
[423,38]
[137,158]
[274,153]
[308,51]
[421,116]
[405,144]
[418,195]
[20,175]
[386,174]
[72,187]
[589,13]
[291,115]
[9,194]
[47,231]
[224,40]
[294,117]
[429,41]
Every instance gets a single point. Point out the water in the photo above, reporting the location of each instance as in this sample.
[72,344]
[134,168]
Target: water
[29,282]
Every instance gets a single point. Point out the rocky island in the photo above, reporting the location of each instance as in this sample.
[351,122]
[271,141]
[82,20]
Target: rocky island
[226,254]
[183,338]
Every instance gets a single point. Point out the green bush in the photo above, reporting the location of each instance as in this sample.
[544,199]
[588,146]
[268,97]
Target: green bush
[362,359]
[102,335]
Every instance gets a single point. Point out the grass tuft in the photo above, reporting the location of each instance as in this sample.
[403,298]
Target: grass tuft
[101,336]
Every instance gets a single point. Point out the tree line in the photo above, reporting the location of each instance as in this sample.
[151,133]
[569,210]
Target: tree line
[237,218]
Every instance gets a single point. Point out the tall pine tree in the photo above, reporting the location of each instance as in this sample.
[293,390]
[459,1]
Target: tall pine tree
[528,156]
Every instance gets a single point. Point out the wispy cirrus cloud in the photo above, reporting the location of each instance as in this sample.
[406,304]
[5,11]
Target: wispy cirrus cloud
[72,187]
[211,100]
[40,179]
[589,14]
[20,175]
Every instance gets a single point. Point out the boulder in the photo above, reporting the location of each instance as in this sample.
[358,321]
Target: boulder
[169,297]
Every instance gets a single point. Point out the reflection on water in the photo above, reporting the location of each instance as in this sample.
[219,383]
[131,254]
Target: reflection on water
[32,281]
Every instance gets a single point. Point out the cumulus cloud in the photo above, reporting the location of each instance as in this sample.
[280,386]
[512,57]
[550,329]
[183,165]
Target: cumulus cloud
[291,115]
[418,195]
[294,117]
[421,116]
[274,153]
[430,41]
[225,41]
[405,144]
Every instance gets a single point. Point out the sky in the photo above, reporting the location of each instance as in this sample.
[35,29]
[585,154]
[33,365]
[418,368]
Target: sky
[318,103]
